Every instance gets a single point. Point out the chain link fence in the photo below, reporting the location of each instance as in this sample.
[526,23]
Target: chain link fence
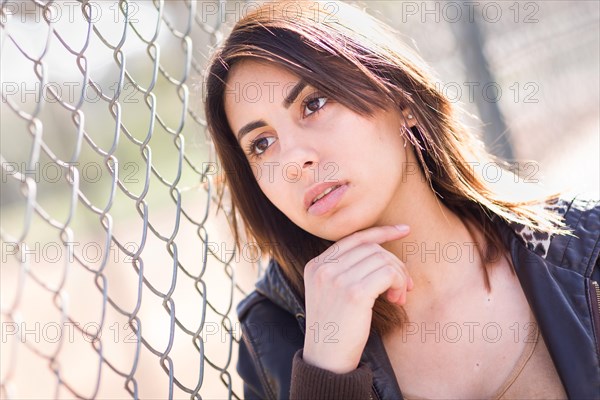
[119,278]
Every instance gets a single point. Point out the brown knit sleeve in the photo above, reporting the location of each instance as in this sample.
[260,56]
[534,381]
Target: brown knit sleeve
[311,382]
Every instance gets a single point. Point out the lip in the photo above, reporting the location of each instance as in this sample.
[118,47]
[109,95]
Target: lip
[317,189]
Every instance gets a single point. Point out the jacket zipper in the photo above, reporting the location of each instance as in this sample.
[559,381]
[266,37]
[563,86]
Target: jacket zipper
[597,290]
[595,305]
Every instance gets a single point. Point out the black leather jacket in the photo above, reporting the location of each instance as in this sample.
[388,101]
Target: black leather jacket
[560,283]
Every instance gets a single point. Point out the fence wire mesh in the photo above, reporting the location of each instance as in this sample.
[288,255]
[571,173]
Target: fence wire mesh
[119,277]
[107,201]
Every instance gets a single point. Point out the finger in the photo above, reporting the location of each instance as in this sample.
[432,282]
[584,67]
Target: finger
[355,255]
[376,234]
[355,282]
[383,279]
[379,256]
[357,272]
[393,295]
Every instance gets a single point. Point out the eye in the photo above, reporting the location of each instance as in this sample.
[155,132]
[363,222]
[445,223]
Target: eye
[314,104]
[258,146]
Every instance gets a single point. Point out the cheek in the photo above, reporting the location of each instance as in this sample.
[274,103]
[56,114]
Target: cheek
[283,195]
[270,186]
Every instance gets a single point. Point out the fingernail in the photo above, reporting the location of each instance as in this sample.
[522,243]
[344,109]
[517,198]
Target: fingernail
[402,228]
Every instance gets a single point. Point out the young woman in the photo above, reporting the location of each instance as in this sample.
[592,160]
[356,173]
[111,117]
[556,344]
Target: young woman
[394,262]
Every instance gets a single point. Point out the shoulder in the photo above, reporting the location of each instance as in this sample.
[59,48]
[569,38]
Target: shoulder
[579,251]
[270,338]
[257,310]
[262,318]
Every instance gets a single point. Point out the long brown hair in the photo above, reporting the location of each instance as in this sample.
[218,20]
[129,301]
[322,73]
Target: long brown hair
[359,62]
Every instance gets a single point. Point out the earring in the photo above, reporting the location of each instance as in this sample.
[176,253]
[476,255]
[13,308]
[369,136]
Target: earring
[406,133]
[409,116]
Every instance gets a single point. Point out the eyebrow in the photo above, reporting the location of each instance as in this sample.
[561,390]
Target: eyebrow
[289,99]
[296,90]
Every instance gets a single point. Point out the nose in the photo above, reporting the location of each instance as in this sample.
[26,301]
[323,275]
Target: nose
[300,158]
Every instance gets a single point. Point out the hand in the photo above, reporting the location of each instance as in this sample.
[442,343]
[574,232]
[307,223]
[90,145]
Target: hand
[341,286]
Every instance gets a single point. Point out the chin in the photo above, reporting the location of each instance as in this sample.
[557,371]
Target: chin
[333,237]
[336,231]
[342,223]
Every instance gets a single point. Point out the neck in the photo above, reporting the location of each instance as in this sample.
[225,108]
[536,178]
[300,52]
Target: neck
[439,253]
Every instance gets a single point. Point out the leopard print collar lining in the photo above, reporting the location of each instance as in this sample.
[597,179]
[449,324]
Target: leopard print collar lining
[539,242]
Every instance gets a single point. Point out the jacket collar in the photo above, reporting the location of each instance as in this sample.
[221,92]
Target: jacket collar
[276,287]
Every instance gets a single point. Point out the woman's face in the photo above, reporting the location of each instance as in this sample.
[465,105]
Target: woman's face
[301,146]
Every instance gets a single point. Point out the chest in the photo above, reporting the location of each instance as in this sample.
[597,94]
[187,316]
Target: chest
[465,348]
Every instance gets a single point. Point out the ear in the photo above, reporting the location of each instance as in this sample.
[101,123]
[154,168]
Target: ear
[409,118]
